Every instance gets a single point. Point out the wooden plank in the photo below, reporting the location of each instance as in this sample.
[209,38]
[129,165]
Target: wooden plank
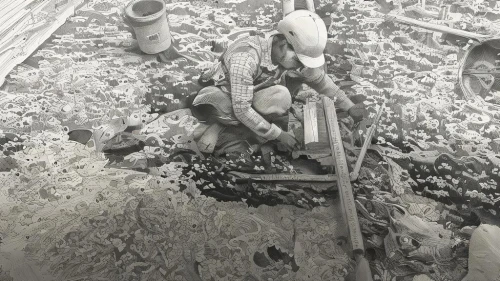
[10,19]
[322,132]
[20,10]
[315,134]
[4,58]
[14,33]
[19,47]
[310,123]
[11,12]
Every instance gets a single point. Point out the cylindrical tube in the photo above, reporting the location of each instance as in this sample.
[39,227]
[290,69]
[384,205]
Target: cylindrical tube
[148,18]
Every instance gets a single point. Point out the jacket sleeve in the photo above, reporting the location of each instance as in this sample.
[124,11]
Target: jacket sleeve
[317,79]
[242,66]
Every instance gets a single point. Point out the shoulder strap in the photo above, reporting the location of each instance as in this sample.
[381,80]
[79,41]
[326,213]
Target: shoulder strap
[244,46]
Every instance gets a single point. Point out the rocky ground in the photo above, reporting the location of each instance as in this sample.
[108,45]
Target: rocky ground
[98,181]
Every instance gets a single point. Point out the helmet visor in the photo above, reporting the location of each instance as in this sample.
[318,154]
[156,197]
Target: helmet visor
[310,61]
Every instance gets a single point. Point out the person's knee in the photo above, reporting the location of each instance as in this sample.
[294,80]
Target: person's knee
[211,103]
[273,100]
[215,97]
[208,90]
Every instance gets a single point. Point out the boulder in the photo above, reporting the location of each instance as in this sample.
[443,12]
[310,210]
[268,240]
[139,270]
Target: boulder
[484,254]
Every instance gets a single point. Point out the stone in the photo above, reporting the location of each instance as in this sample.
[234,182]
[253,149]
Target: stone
[484,254]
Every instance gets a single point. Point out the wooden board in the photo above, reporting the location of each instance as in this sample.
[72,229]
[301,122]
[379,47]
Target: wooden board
[27,25]
[315,135]
[310,123]
[10,9]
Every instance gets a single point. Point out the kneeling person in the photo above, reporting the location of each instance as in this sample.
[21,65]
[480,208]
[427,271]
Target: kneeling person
[248,95]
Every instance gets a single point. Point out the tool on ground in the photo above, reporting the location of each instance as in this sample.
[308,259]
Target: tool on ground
[362,271]
[283,177]
[316,145]
[25,25]
[477,74]
[437,27]
[323,143]
[369,135]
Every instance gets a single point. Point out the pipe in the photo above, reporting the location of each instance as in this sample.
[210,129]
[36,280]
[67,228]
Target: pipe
[437,27]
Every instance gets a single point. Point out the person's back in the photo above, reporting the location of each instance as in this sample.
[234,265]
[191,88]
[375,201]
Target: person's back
[248,84]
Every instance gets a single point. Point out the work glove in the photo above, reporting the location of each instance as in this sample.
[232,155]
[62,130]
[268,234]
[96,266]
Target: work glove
[357,112]
[288,141]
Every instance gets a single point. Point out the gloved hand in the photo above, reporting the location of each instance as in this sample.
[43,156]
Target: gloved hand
[288,141]
[358,112]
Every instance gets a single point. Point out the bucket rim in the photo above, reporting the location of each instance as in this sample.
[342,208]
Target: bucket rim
[129,13]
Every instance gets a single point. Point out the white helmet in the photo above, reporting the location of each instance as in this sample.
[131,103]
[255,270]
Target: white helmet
[307,33]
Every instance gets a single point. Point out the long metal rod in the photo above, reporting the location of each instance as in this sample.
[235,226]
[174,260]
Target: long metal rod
[363,272]
[366,144]
[437,27]
[285,177]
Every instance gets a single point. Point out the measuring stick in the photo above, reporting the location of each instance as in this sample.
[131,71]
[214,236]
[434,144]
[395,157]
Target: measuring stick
[363,272]
[369,135]
[285,177]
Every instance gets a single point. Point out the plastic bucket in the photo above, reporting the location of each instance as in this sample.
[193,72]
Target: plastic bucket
[148,18]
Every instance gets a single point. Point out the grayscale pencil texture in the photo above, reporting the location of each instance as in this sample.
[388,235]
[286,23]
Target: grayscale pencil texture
[174,145]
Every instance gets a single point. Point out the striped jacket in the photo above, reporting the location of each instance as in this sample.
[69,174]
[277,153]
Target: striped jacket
[246,67]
